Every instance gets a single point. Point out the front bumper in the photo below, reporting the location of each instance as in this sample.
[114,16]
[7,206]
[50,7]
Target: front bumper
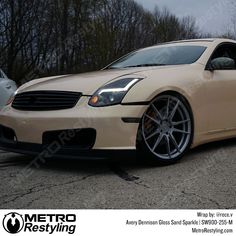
[112,133]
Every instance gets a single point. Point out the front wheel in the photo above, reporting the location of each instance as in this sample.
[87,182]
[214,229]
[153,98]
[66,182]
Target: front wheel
[166,130]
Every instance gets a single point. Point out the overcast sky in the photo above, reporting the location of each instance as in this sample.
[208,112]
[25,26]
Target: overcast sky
[213,16]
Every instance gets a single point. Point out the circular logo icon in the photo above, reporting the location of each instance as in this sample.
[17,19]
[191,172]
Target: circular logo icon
[13,223]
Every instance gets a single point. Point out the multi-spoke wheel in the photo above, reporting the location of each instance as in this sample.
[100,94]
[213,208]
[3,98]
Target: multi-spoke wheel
[166,129]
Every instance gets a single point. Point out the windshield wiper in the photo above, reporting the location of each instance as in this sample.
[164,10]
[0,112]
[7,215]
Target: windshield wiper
[144,65]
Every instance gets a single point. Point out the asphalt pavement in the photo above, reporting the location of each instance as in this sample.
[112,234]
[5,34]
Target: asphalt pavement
[205,178]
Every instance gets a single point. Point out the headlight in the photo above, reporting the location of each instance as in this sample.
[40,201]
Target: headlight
[112,93]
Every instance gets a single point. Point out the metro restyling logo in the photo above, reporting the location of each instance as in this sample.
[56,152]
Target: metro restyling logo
[13,223]
[40,223]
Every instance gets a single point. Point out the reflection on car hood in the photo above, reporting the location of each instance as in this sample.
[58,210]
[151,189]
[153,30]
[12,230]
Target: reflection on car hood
[87,83]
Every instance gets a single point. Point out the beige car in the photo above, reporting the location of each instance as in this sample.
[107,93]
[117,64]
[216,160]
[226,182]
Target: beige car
[160,100]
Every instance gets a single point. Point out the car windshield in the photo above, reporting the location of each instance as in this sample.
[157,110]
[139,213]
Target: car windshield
[160,56]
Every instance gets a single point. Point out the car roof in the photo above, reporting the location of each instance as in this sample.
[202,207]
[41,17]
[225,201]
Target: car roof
[204,40]
[192,40]
[198,42]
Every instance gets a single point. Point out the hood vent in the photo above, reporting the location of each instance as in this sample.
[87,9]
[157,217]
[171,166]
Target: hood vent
[45,100]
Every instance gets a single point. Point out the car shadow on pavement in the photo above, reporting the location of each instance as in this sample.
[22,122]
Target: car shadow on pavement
[130,161]
[209,150]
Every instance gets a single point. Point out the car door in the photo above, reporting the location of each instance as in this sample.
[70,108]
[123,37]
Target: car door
[221,92]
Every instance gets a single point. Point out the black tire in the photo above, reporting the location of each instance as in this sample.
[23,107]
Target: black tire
[171,128]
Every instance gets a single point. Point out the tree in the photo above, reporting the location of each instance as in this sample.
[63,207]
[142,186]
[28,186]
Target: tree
[50,37]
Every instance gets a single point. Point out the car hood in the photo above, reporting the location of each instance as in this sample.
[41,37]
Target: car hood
[87,83]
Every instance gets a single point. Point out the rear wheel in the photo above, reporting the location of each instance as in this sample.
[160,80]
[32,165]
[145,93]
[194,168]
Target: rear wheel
[166,130]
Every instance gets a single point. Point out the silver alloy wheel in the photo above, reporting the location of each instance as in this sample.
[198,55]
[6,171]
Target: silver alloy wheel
[166,127]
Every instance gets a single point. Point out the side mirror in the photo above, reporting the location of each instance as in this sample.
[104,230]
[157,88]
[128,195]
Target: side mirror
[221,63]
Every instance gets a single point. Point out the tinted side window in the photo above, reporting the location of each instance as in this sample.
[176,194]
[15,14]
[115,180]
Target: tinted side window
[1,75]
[227,50]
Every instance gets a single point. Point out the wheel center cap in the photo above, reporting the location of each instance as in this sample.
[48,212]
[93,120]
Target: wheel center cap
[165,126]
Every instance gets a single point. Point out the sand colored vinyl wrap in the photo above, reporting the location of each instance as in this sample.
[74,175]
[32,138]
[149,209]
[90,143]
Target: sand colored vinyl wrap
[211,96]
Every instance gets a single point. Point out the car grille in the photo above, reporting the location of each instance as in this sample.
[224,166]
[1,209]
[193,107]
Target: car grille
[45,100]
